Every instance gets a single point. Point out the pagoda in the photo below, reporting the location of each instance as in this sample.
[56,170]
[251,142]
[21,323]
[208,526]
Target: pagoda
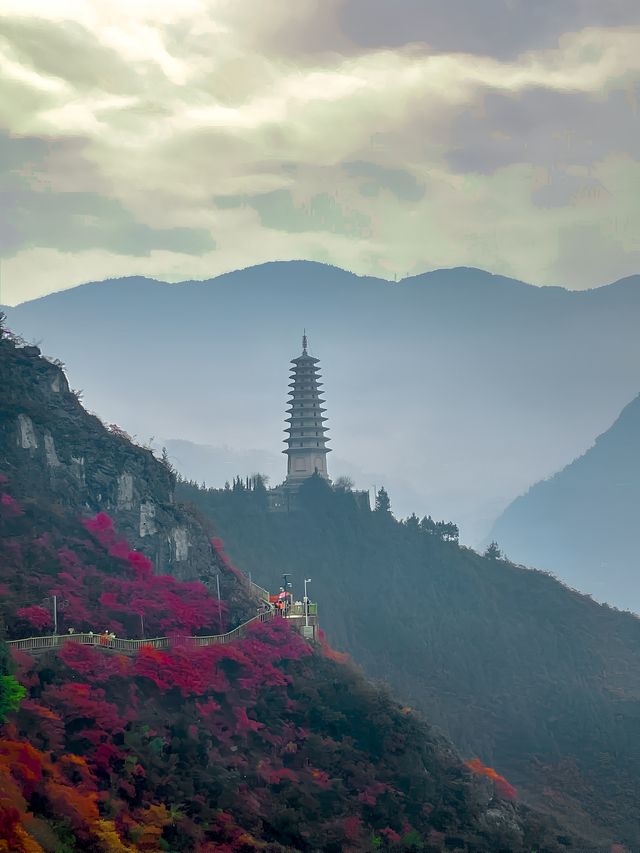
[306,442]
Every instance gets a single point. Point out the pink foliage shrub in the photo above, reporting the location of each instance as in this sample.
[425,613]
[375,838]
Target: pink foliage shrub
[36,616]
[9,507]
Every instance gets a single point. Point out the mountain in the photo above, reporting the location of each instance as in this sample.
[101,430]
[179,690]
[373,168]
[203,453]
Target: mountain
[582,522]
[533,678]
[265,742]
[457,388]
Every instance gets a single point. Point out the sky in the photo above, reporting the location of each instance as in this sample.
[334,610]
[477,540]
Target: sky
[181,139]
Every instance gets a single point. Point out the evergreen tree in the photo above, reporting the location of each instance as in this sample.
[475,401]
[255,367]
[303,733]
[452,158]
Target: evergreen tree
[493,552]
[383,504]
[412,522]
[166,461]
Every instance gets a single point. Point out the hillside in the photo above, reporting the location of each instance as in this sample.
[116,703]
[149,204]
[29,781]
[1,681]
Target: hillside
[265,743]
[538,681]
[582,522]
[459,407]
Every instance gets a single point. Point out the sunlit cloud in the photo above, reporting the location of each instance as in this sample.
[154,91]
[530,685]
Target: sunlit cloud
[213,118]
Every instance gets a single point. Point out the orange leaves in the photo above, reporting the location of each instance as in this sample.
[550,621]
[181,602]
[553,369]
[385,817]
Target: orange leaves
[321,778]
[76,769]
[503,788]
[78,806]
[328,652]
[20,842]
[26,763]
[148,831]
[25,771]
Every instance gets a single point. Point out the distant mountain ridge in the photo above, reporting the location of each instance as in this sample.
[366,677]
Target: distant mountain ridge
[460,387]
[582,523]
[445,275]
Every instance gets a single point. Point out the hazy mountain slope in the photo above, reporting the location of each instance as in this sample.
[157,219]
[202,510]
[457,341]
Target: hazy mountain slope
[262,744]
[461,386]
[582,523]
[540,682]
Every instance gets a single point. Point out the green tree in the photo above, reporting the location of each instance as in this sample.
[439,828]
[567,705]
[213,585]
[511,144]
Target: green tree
[493,552]
[11,691]
[383,504]
[11,694]
[412,522]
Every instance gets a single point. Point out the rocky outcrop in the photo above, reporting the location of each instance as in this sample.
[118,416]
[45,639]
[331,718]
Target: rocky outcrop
[50,446]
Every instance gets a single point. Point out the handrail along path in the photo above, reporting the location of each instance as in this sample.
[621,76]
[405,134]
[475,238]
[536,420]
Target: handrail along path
[53,642]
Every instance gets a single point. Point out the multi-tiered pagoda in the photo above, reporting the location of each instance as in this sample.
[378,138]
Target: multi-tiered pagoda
[307,442]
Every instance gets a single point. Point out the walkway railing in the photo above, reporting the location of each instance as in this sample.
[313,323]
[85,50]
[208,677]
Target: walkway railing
[298,610]
[37,645]
[260,591]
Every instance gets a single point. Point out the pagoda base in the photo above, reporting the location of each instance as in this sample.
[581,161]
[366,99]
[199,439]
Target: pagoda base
[284,498]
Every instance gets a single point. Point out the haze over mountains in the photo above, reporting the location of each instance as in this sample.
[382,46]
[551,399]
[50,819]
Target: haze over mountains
[583,522]
[456,389]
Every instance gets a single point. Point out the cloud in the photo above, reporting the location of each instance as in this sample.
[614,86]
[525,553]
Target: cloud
[37,213]
[500,28]
[206,134]
[545,128]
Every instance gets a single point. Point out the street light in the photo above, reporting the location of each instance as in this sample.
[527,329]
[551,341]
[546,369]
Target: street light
[306,603]
[286,586]
[57,604]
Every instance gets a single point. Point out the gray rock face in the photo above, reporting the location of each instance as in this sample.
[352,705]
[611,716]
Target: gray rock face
[51,447]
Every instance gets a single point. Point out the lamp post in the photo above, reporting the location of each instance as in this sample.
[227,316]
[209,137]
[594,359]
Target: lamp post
[219,602]
[306,603]
[56,604]
[287,585]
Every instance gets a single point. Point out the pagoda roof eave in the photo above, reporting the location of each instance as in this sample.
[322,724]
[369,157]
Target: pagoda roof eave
[307,449]
[303,431]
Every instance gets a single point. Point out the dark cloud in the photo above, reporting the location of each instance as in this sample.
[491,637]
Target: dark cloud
[500,28]
[322,212]
[563,188]
[34,213]
[72,222]
[544,128]
[375,178]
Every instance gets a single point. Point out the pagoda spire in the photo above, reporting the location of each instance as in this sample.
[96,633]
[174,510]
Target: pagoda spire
[306,433]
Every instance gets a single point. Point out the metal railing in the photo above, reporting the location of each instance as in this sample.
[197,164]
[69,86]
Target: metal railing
[298,610]
[260,591]
[130,647]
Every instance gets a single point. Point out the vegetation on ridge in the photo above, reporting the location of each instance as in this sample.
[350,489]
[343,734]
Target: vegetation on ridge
[531,677]
[263,744]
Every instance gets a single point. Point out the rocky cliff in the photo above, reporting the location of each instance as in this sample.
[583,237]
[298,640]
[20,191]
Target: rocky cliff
[60,451]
